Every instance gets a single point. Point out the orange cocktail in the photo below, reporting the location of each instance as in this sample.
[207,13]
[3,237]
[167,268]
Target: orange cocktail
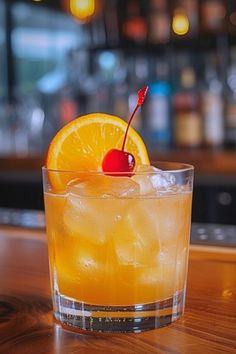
[118,248]
[118,251]
[118,228]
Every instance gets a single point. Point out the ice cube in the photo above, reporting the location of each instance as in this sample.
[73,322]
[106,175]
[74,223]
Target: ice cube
[94,207]
[135,238]
[173,215]
[152,180]
[105,187]
[163,268]
[160,279]
[79,261]
[145,184]
[128,248]
[87,218]
[151,275]
[82,270]
[162,180]
[89,263]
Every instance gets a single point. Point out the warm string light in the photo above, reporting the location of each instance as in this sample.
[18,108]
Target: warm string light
[180,23]
[82,9]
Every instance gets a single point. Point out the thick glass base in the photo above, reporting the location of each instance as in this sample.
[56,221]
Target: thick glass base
[116,319]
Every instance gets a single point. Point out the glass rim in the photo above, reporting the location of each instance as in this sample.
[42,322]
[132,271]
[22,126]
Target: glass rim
[183,167]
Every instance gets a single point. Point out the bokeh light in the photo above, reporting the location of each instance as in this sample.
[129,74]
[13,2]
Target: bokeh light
[180,23]
[82,9]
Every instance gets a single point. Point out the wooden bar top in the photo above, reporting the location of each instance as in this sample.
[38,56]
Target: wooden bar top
[27,326]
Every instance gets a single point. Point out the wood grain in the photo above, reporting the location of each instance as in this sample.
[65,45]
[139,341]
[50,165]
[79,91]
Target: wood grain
[27,327]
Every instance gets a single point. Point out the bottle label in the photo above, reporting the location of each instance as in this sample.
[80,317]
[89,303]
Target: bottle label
[159,28]
[188,129]
[230,115]
[212,17]
[158,113]
[213,119]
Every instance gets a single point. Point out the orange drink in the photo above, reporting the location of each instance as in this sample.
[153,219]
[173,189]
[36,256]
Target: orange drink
[118,251]
[118,241]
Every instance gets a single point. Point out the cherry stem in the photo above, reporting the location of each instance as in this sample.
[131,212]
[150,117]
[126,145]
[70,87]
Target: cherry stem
[141,97]
[127,129]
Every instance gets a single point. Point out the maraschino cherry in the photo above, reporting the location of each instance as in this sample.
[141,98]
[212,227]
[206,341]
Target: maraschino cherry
[117,160]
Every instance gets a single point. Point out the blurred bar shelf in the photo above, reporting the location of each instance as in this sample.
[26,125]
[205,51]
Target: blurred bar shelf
[199,42]
[21,163]
[206,161]
[214,198]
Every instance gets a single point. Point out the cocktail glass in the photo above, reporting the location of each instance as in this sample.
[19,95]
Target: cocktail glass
[118,247]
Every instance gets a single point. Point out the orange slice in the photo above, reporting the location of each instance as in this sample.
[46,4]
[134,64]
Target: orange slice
[82,144]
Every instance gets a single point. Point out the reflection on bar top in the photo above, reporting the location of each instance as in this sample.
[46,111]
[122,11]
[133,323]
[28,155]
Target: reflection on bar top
[201,233]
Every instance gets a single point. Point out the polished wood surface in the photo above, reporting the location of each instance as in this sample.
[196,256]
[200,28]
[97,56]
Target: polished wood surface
[27,326]
[206,161]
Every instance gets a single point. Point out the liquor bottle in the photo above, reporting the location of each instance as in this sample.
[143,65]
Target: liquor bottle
[120,100]
[213,14]
[231,24]
[5,131]
[159,22]
[134,26]
[158,108]
[187,116]
[192,10]
[111,22]
[212,105]
[230,103]
[67,106]
[138,76]
[98,30]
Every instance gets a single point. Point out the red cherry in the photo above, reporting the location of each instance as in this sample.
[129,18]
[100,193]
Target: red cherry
[118,161]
